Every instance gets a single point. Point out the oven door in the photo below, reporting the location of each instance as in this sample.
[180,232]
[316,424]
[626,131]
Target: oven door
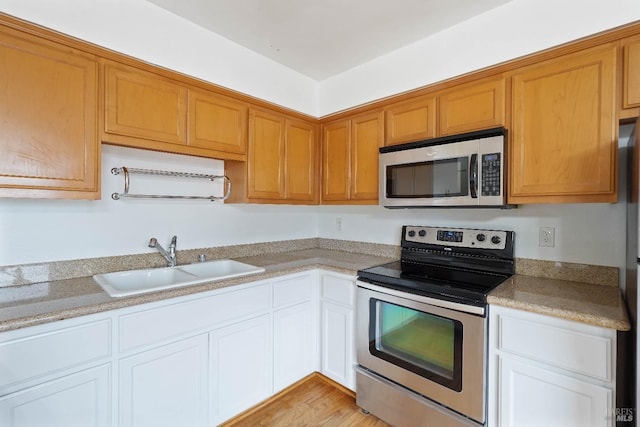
[435,351]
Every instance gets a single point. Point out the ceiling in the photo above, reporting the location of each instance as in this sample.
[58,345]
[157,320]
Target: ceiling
[322,38]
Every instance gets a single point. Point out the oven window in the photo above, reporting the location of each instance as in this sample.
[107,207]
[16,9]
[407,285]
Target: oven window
[426,344]
[438,178]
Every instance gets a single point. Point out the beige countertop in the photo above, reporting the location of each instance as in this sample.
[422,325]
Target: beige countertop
[47,301]
[583,302]
[33,304]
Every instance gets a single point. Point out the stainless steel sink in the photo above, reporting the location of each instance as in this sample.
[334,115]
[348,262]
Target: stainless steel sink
[124,283]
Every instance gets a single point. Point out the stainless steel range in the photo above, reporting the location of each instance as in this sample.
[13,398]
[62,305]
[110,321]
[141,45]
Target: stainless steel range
[422,326]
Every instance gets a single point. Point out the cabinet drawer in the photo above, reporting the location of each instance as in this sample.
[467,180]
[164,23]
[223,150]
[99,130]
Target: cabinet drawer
[337,289]
[292,291]
[160,324]
[35,356]
[579,348]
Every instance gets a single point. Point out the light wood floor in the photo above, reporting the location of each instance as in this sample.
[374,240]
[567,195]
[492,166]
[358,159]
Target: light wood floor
[315,401]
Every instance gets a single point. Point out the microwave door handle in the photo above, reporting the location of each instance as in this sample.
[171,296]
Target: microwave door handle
[473,176]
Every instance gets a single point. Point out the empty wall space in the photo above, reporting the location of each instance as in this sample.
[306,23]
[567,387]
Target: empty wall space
[54,230]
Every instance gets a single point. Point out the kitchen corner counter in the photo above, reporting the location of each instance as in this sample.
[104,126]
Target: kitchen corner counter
[33,304]
[52,300]
[597,305]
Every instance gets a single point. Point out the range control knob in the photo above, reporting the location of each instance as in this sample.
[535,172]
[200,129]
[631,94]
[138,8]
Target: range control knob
[481,237]
[495,240]
[422,233]
[411,233]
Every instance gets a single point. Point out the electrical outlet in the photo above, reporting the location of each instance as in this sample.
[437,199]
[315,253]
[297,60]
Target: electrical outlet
[338,224]
[547,237]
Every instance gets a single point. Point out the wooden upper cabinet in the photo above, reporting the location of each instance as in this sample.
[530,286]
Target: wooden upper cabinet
[350,159]
[472,106]
[411,120]
[217,122]
[146,110]
[143,105]
[281,164]
[48,110]
[367,136]
[266,155]
[301,181]
[631,77]
[564,130]
[336,161]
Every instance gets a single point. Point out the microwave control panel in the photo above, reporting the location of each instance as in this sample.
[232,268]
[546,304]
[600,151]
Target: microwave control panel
[491,177]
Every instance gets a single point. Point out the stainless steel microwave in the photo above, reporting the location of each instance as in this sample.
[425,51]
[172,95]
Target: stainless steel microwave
[466,170]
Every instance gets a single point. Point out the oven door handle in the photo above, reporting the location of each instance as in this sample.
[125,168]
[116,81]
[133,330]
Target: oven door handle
[473,176]
[464,308]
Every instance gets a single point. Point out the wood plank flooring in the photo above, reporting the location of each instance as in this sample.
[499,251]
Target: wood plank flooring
[315,401]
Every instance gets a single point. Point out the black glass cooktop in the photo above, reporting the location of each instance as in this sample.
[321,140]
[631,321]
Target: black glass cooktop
[453,284]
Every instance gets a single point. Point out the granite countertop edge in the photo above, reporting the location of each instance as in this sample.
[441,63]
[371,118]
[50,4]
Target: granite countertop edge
[95,300]
[590,304]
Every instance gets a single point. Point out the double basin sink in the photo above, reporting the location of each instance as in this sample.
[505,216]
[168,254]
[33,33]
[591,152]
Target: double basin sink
[125,283]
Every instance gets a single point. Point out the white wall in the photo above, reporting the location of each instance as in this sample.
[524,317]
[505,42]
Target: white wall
[53,230]
[515,29]
[590,234]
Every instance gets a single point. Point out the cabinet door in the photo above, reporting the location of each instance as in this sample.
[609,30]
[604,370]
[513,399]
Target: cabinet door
[49,144]
[294,344]
[241,367]
[631,81]
[532,396]
[78,400]
[366,138]
[166,386]
[411,120]
[473,106]
[337,341]
[564,133]
[217,122]
[143,105]
[336,161]
[266,155]
[301,160]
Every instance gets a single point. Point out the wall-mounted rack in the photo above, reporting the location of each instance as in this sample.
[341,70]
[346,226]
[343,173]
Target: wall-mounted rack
[130,171]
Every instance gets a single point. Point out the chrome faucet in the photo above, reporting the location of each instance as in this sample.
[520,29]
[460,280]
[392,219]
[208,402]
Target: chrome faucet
[169,256]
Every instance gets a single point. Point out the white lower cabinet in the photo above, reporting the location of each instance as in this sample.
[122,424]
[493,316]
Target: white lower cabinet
[337,329]
[167,386]
[58,374]
[241,367]
[546,371]
[77,400]
[191,361]
[337,341]
[294,344]
[533,396]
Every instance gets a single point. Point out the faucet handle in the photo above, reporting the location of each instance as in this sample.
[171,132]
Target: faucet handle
[202,258]
[174,240]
